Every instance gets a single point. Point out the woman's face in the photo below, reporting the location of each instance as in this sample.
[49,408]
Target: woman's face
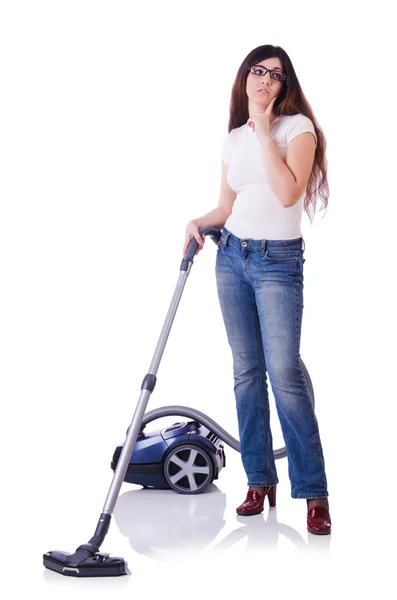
[261,88]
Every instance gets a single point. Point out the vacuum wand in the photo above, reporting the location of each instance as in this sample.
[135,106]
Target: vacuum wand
[87,560]
[149,380]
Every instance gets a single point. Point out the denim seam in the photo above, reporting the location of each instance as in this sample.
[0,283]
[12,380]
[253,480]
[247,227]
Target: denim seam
[256,323]
[306,386]
[261,484]
[307,391]
[310,496]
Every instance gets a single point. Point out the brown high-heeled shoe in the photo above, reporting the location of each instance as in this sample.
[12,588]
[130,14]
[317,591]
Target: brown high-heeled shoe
[318,520]
[254,502]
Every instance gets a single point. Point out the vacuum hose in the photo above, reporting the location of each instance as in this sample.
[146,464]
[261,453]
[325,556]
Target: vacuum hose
[186,411]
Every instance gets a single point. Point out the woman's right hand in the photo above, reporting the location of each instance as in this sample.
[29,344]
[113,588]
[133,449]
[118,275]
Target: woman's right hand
[192,231]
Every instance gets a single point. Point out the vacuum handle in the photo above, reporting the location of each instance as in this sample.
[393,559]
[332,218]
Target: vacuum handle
[213,232]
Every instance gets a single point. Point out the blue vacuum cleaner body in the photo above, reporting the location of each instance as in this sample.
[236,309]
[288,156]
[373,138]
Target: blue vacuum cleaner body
[185,456]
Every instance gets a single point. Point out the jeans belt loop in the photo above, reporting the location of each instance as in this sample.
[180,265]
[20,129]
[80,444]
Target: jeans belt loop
[263,248]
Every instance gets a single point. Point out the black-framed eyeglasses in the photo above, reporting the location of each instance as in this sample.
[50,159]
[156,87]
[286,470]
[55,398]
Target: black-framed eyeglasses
[261,71]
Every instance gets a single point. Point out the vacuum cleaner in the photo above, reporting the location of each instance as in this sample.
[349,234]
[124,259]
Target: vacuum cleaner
[187,456]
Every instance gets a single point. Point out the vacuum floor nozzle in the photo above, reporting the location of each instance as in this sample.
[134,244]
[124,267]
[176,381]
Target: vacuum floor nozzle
[87,561]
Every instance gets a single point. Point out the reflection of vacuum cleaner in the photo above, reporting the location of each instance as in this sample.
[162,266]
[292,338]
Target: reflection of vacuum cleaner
[156,524]
[186,457]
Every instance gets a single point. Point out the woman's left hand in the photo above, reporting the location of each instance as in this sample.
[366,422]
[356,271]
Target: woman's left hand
[260,122]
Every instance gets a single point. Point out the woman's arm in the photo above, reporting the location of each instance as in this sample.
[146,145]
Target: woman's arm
[218,216]
[289,179]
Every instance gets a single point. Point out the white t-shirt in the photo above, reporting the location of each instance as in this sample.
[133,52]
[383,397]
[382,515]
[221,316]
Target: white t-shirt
[257,213]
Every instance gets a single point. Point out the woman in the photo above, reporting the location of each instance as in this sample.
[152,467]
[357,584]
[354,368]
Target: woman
[273,166]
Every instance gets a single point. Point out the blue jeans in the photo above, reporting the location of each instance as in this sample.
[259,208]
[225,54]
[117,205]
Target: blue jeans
[260,289]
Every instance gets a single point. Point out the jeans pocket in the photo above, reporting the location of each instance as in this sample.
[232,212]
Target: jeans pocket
[282,255]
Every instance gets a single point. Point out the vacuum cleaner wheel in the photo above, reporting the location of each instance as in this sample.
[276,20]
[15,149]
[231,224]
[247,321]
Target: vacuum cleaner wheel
[188,469]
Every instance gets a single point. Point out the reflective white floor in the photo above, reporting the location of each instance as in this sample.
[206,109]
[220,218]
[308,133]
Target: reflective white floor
[196,545]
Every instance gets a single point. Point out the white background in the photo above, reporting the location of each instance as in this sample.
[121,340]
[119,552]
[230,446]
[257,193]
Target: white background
[112,120]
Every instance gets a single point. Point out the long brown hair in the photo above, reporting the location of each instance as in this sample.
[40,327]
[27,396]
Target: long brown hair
[290,101]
